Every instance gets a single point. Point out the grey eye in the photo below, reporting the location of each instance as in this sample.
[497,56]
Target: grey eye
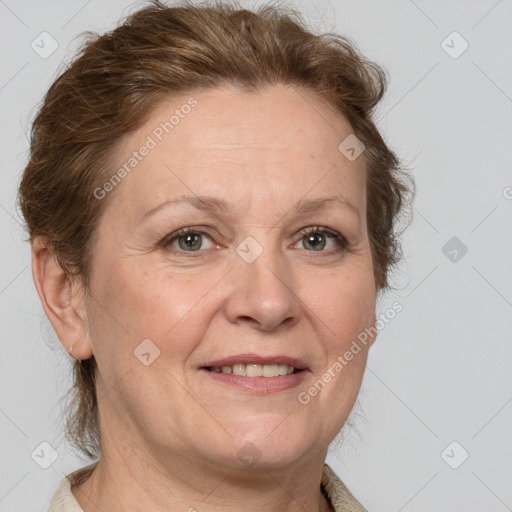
[316,240]
[191,241]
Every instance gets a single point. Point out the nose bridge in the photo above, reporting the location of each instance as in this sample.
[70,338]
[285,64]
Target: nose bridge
[264,284]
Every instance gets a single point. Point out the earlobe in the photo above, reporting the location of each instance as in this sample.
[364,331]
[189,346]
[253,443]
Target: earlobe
[63,302]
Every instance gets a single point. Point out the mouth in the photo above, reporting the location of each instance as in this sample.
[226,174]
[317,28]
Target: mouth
[259,374]
[255,370]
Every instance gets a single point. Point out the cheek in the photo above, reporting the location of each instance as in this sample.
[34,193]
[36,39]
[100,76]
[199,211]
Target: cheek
[345,308]
[140,304]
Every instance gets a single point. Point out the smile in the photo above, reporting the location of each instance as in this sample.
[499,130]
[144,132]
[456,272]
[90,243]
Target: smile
[255,370]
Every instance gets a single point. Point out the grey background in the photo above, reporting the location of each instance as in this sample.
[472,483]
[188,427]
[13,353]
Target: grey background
[440,370]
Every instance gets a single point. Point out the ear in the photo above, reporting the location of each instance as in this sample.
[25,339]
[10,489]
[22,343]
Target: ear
[63,300]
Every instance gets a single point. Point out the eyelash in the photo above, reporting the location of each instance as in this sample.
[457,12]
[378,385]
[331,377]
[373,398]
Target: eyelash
[341,241]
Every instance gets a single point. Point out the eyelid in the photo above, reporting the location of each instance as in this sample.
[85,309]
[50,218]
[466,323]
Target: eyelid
[342,243]
[168,239]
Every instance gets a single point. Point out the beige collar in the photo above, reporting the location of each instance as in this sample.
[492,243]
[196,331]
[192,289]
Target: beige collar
[338,495]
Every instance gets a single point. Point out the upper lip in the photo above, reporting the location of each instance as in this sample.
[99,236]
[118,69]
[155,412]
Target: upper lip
[257,359]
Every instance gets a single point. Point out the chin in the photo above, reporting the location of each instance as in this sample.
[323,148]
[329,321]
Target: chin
[275,446]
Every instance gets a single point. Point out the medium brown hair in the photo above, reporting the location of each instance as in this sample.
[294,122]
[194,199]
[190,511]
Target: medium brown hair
[116,80]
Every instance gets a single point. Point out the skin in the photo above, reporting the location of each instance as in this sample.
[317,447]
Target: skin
[170,433]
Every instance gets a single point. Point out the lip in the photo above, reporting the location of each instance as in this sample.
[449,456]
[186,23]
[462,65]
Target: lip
[260,385]
[258,359]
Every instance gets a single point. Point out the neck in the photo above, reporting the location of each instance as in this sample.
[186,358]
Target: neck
[125,482]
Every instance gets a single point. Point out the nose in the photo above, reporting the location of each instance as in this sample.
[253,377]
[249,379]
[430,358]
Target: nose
[264,294]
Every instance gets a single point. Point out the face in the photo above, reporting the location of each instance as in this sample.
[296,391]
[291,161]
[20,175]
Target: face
[274,269]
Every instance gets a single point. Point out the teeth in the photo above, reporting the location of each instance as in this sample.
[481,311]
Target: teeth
[270,370]
[239,369]
[283,369]
[255,370]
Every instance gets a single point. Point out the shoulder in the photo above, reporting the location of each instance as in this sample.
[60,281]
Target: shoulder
[63,499]
[339,496]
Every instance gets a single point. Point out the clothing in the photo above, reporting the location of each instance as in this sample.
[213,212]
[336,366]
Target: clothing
[339,497]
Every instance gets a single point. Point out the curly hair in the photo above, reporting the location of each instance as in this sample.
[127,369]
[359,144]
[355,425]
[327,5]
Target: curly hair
[115,81]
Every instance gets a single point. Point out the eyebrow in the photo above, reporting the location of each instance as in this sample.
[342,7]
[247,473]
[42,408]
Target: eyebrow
[219,207]
[313,205]
[202,203]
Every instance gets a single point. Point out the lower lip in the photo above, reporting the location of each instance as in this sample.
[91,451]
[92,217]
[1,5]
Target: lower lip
[263,385]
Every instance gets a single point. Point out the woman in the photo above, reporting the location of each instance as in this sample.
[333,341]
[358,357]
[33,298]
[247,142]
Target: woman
[211,210]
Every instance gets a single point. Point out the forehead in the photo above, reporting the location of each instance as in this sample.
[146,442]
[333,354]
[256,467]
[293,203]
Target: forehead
[235,144]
